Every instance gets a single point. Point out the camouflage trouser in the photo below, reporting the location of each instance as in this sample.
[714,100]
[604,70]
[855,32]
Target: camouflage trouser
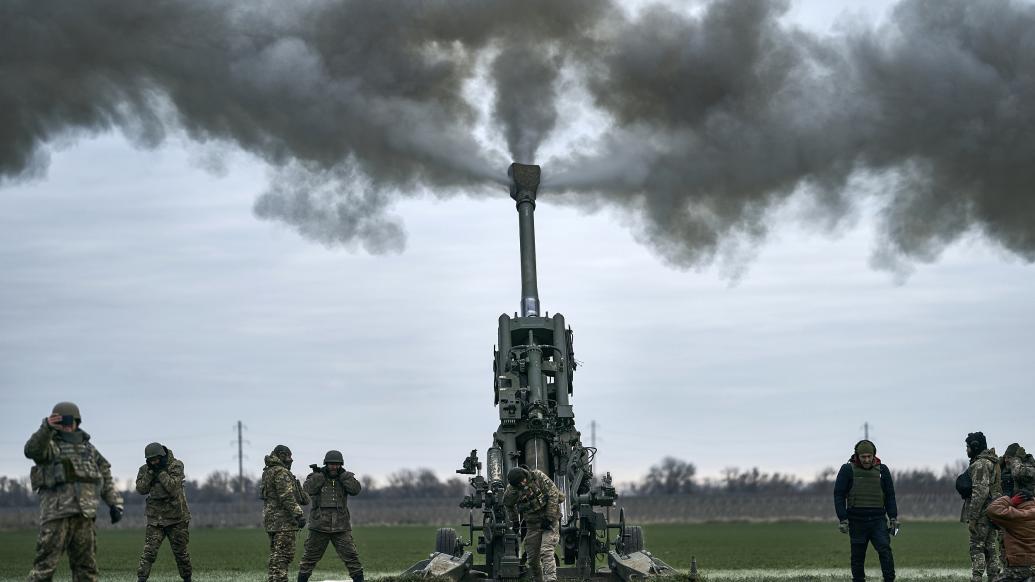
[539,549]
[179,537]
[316,545]
[1016,574]
[984,551]
[282,553]
[75,533]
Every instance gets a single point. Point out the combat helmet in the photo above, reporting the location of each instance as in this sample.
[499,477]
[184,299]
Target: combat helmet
[154,450]
[333,457]
[68,409]
[516,475]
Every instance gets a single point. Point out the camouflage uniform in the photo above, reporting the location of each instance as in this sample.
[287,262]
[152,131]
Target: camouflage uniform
[538,501]
[330,522]
[69,475]
[984,537]
[167,514]
[282,513]
[1022,469]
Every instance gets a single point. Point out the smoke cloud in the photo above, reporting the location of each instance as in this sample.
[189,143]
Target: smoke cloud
[717,116]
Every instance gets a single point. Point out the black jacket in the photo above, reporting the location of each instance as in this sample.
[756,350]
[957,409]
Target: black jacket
[843,485]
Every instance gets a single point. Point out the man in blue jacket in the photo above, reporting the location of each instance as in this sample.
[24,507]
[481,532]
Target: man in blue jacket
[864,498]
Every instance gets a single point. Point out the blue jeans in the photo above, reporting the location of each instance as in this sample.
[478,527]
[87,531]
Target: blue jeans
[866,531]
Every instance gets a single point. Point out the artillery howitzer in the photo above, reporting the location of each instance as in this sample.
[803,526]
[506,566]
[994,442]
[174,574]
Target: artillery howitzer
[533,368]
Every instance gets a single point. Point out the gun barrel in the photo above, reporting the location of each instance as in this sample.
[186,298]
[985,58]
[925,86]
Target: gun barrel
[524,184]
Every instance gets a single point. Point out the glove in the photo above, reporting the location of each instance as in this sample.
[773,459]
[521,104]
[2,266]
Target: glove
[301,521]
[843,526]
[893,526]
[546,524]
[116,513]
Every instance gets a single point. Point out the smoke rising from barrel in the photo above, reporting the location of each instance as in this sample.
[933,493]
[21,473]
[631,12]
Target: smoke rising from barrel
[717,116]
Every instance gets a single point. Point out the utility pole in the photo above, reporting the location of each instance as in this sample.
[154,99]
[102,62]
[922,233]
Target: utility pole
[866,430]
[240,457]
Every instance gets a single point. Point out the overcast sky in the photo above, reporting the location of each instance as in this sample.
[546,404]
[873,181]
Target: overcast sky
[140,284]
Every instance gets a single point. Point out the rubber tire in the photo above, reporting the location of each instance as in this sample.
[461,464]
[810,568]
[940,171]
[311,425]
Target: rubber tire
[633,539]
[445,540]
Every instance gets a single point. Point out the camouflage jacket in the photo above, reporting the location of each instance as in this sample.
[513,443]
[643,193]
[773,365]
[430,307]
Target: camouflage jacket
[69,474]
[1023,471]
[282,497]
[166,502]
[987,485]
[330,511]
[538,499]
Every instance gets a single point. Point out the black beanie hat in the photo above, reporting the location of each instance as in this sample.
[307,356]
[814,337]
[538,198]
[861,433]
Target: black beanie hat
[976,441]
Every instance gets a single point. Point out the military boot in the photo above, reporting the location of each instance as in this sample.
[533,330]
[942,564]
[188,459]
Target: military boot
[358,576]
[304,576]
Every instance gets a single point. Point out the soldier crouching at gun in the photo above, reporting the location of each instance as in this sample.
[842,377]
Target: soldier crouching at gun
[533,496]
[329,521]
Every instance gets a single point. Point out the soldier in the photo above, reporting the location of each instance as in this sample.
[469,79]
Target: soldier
[161,479]
[69,474]
[1016,464]
[282,513]
[532,496]
[329,520]
[1016,515]
[864,499]
[985,485]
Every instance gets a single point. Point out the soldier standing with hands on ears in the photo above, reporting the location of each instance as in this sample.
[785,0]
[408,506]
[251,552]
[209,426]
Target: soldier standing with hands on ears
[69,474]
[161,479]
[329,520]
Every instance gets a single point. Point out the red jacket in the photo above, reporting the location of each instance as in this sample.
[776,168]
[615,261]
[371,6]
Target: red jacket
[1018,525]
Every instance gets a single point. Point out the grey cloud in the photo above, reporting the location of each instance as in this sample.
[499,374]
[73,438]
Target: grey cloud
[719,115]
[724,115]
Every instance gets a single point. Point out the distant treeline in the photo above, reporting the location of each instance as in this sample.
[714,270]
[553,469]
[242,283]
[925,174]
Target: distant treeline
[222,486]
[671,476]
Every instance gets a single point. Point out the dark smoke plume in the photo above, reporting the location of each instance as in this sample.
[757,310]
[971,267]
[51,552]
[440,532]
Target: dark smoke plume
[718,116]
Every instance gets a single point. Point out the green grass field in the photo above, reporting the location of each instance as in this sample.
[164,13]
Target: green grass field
[741,551]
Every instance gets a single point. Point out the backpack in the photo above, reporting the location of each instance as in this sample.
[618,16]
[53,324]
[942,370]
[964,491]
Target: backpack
[964,485]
